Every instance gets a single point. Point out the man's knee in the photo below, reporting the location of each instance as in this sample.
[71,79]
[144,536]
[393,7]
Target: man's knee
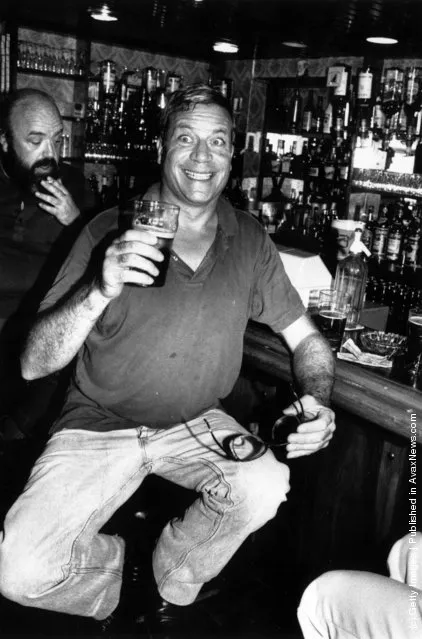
[263,488]
[320,591]
[20,574]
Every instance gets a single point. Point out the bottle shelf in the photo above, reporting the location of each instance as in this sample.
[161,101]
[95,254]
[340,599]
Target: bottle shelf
[305,134]
[387,182]
[75,77]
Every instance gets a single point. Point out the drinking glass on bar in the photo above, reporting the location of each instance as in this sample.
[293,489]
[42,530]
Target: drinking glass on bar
[414,333]
[331,317]
[160,219]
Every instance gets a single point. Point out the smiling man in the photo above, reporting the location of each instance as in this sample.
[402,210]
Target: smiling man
[152,365]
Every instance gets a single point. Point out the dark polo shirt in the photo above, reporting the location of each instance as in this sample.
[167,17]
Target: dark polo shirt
[33,243]
[158,356]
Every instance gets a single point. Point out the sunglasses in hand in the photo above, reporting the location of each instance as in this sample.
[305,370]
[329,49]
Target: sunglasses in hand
[244,448]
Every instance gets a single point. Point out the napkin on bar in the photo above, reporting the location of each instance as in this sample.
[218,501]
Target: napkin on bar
[356,356]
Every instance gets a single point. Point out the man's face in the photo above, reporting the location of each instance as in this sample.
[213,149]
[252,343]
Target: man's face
[32,148]
[197,155]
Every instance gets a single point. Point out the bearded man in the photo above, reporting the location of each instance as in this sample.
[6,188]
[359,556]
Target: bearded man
[43,203]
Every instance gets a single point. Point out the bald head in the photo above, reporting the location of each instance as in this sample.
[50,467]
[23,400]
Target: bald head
[23,101]
[31,136]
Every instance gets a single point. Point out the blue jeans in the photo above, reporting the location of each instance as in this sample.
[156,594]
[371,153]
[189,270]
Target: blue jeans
[52,555]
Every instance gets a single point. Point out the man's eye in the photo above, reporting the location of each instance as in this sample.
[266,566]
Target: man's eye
[219,142]
[184,139]
[35,141]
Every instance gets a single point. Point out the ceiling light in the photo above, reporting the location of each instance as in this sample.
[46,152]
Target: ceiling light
[295,44]
[104,14]
[381,40]
[225,46]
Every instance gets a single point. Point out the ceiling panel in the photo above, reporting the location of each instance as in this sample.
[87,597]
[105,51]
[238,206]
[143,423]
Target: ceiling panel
[189,27]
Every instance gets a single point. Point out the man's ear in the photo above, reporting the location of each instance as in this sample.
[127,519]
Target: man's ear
[159,150]
[3,141]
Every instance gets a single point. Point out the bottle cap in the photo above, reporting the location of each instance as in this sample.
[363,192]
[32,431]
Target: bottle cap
[358,246]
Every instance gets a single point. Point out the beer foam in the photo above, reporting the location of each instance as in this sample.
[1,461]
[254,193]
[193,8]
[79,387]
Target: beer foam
[156,230]
[332,315]
[416,319]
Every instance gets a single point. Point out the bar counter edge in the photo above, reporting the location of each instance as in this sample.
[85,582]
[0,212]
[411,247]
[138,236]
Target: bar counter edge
[360,391]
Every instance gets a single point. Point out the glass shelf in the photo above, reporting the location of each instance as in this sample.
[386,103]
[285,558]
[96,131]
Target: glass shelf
[75,77]
[387,182]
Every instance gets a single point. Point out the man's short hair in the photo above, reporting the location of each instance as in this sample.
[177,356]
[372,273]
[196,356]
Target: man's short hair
[186,100]
[15,98]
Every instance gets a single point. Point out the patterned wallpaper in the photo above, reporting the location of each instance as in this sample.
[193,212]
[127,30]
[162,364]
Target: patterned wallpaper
[191,70]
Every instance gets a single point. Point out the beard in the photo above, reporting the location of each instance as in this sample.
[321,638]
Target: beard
[28,178]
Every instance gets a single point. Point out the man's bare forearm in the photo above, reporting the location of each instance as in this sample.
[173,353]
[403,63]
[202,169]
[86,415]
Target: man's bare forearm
[57,335]
[314,367]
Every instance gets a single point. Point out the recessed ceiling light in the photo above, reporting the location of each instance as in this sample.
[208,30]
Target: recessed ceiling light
[295,44]
[225,46]
[104,14]
[381,40]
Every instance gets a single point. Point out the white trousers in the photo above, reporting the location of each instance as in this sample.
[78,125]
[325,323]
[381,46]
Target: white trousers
[348,604]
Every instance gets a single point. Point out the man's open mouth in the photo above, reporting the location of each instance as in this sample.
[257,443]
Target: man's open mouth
[203,177]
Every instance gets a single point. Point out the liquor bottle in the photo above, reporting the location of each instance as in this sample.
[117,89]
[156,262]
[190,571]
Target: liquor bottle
[348,112]
[328,118]
[267,159]
[343,155]
[271,207]
[411,246]
[108,76]
[305,158]
[308,113]
[377,118]
[341,101]
[280,154]
[330,164]
[364,133]
[318,116]
[341,89]
[287,217]
[315,164]
[395,238]
[295,112]
[299,214]
[350,279]
[364,90]
[379,242]
[296,165]
[286,162]
[392,93]
[401,125]
[412,91]
[417,167]
[342,117]
[368,232]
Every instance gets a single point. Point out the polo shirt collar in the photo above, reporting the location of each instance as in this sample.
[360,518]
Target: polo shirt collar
[227,221]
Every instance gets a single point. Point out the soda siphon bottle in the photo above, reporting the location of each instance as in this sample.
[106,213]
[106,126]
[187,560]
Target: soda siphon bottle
[350,279]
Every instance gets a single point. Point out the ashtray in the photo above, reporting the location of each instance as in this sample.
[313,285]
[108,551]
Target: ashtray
[382,343]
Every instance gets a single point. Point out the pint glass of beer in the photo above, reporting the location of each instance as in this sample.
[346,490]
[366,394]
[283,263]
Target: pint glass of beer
[160,219]
[333,309]
[414,333]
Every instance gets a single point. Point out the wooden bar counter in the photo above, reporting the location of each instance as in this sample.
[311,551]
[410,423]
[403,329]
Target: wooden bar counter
[360,391]
[349,502]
